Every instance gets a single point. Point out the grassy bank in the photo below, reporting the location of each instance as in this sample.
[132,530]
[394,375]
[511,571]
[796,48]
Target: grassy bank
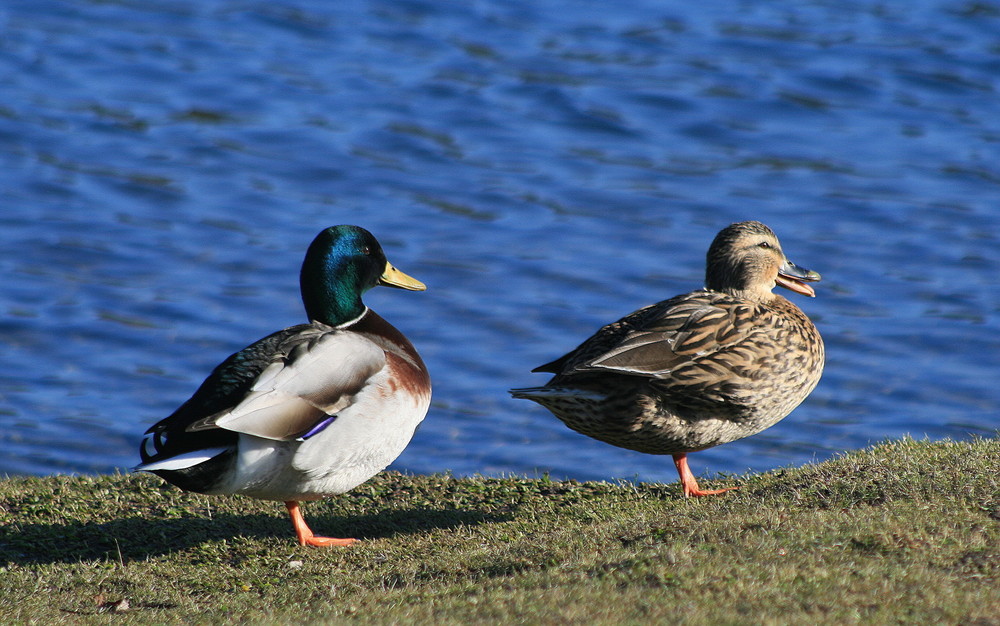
[903,532]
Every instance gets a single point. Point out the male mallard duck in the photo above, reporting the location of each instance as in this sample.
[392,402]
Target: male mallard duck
[700,369]
[309,411]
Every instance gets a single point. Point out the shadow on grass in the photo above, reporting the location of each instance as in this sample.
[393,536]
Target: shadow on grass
[140,538]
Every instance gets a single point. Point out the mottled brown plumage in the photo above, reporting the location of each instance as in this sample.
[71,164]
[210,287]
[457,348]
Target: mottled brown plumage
[700,369]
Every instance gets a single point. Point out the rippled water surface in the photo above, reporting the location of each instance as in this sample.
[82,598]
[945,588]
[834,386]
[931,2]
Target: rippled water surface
[545,167]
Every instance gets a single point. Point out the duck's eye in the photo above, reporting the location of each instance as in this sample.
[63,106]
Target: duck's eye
[764,244]
[366,251]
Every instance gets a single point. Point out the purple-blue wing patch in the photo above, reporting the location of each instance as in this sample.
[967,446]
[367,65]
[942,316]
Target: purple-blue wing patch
[318,428]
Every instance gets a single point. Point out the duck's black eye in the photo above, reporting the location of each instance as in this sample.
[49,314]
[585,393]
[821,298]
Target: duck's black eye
[366,250]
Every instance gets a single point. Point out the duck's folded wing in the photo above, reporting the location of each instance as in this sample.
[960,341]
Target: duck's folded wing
[305,389]
[673,339]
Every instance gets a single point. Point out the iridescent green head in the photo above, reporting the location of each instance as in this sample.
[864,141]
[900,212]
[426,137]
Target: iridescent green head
[342,263]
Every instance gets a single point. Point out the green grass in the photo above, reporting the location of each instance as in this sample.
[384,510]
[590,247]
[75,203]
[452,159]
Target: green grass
[907,532]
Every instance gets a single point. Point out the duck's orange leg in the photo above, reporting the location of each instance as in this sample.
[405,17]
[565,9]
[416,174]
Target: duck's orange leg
[306,536]
[688,482]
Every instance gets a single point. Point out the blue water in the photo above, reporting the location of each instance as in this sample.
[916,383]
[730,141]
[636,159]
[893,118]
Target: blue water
[545,167]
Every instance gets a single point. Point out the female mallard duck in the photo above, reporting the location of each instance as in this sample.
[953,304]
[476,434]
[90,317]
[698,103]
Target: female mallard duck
[310,411]
[700,369]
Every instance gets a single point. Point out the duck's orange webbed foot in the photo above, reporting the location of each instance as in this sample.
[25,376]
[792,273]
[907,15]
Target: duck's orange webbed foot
[325,542]
[694,491]
[305,534]
[688,483]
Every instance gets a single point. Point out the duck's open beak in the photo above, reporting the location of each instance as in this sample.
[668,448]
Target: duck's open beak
[793,277]
[392,277]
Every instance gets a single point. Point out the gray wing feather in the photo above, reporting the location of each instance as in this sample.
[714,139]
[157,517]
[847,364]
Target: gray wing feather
[315,380]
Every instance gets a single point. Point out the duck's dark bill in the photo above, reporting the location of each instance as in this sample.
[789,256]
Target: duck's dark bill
[392,277]
[793,277]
